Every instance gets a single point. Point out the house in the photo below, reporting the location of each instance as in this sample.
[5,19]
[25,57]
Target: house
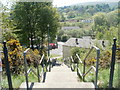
[70,28]
[84,42]
[87,21]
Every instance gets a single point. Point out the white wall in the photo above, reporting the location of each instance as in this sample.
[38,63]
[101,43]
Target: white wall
[66,51]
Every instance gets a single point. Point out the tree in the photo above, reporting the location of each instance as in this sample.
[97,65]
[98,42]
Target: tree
[74,51]
[5,23]
[71,14]
[106,25]
[31,20]
[62,18]
[64,38]
[100,19]
[112,18]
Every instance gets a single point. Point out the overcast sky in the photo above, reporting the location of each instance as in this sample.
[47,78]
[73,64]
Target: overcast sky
[60,3]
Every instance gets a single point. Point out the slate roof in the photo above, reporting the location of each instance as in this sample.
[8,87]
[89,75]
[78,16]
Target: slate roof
[84,42]
[70,27]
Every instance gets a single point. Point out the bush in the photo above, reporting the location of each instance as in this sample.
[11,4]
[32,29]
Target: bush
[104,61]
[81,25]
[75,51]
[64,38]
[15,57]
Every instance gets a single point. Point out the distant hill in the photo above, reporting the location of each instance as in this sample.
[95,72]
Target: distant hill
[86,10]
[112,4]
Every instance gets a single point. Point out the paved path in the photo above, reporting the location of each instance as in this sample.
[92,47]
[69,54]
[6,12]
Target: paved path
[61,77]
[57,51]
[60,74]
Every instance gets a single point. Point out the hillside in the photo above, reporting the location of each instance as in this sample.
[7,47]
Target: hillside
[112,4]
[95,19]
[85,10]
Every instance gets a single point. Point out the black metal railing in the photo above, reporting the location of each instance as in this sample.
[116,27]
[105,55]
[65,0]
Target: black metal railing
[97,64]
[27,71]
[113,58]
[49,64]
[83,63]
[7,66]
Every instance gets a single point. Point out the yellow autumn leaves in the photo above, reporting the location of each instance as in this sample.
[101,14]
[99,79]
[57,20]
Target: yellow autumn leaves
[15,56]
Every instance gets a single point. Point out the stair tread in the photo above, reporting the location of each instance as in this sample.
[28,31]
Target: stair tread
[61,77]
[61,85]
[62,68]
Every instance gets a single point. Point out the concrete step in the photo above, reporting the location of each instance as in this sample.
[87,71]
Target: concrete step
[60,85]
[61,77]
[60,69]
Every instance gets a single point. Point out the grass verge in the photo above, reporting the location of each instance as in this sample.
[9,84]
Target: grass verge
[103,77]
[18,79]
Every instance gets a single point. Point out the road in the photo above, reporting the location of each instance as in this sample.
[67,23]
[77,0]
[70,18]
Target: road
[57,51]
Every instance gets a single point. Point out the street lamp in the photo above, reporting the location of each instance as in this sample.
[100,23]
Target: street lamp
[48,40]
[48,36]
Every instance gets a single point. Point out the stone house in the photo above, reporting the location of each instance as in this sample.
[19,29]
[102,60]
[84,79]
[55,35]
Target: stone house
[85,42]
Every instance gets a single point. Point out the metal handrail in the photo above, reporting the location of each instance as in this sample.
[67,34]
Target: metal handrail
[49,64]
[7,66]
[72,59]
[72,67]
[41,59]
[97,64]
[92,67]
[84,65]
[79,58]
[31,70]
[25,67]
[42,72]
[113,59]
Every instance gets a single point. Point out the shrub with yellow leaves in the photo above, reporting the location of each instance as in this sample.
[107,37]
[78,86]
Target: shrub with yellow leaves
[104,61]
[33,57]
[15,56]
[90,61]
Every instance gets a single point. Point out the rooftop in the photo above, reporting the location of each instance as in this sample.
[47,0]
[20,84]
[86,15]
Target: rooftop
[85,42]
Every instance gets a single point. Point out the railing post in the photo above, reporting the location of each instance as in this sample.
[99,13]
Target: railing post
[38,73]
[112,64]
[7,66]
[84,65]
[77,67]
[25,68]
[97,66]
[49,65]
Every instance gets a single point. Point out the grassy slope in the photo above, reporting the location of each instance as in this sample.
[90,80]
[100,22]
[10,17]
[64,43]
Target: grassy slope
[18,79]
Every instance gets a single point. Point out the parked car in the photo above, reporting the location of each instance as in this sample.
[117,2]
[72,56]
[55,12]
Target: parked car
[53,45]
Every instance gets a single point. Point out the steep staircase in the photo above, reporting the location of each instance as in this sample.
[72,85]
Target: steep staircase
[60,77]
